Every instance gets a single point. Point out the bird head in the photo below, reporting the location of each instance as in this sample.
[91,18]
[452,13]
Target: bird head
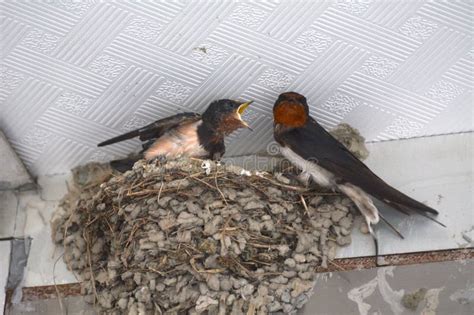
[225,116]
[291,110]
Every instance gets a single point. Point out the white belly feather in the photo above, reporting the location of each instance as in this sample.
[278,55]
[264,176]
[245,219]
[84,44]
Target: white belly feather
[182,140]
[321,176]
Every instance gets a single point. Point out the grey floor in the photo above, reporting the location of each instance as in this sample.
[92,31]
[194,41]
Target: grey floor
[449,290]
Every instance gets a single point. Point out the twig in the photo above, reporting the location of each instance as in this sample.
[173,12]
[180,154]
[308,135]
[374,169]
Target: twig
[192,262]
[142,192]
[161,189]
[304,205]
[60,299]
[218,189]
[90,264]
[157,307]
[209,185]
[294,188]
[157,271]
[269,246]
[248,272]
[261,262]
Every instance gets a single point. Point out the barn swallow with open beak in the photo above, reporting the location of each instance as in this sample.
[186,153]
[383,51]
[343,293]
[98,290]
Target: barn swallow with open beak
[186,134]
[327,161]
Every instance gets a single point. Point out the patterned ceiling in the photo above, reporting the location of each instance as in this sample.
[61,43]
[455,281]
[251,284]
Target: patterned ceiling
[75,73]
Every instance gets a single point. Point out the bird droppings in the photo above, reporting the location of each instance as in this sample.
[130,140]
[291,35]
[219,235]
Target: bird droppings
[439,199]
[172,238]
[466,237]
[203,49]
[412,300]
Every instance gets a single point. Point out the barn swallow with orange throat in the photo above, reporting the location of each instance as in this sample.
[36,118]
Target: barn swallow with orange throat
[327,161]
[186,134]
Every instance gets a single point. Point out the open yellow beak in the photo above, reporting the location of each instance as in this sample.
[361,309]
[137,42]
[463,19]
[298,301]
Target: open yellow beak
[243,107]
[241,110]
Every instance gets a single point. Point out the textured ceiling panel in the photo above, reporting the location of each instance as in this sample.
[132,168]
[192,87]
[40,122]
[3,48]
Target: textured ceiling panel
[75,73]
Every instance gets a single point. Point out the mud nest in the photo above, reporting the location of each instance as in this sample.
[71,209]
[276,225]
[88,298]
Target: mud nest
[195,237]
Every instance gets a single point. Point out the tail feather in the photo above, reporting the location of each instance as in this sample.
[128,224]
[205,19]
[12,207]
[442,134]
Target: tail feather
[397,207]
[155,129]
[391,226]
[403,203]
[125,136]
[424,214]
[399,200]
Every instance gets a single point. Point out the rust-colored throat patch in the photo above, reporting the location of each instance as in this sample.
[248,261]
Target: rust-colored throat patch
[290,114]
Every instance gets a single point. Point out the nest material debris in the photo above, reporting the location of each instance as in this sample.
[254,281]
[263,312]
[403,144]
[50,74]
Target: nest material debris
[413,299]
[177,238]
[351,139]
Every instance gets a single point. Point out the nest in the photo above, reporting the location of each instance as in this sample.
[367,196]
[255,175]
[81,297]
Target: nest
[178,238]
[195,237]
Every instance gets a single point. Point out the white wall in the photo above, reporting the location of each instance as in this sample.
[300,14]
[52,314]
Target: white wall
[75,73]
